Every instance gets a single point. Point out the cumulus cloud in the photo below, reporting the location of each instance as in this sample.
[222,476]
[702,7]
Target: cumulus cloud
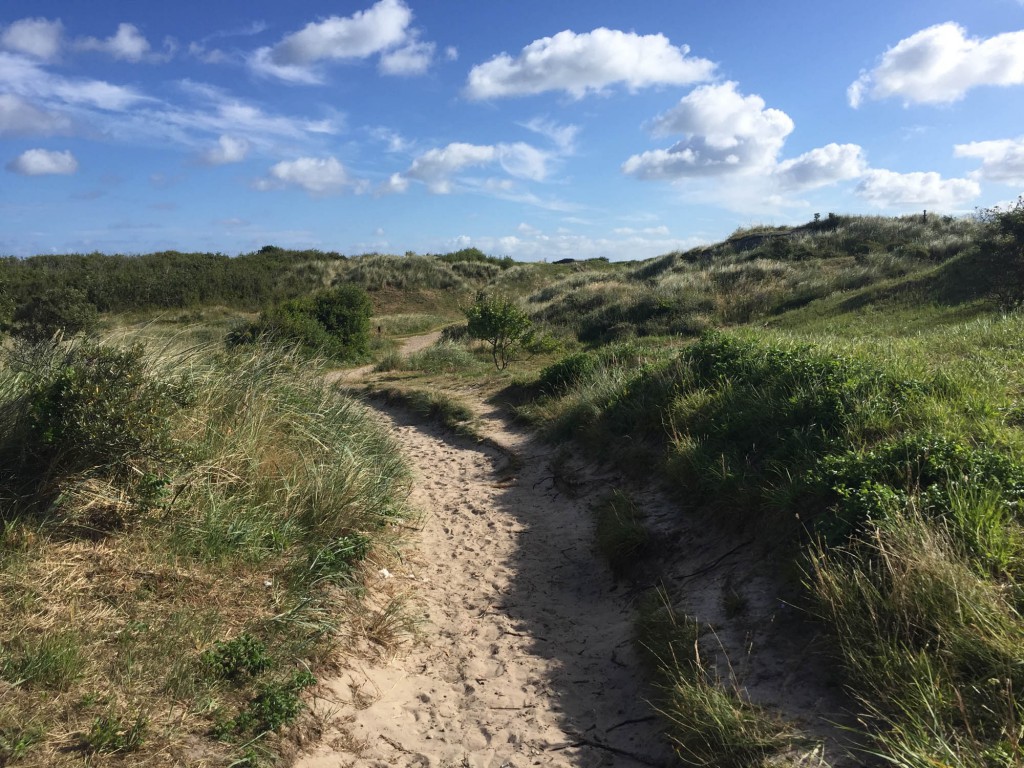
[1002,160]
[588,62]
[436,167]
[384,28]
[725,133]
[412,59]
[316,175]
[229,149]
[822,166]
[938,65]
[127,44]
[19,117]
[39,38]
[43,162]
[888,189]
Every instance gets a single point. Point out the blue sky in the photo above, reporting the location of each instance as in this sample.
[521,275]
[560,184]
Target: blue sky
[531,129]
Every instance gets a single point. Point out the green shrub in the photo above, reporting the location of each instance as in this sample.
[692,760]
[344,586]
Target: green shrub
[335,323]
[275,704]
[57,310]
[499,321]
[100,407]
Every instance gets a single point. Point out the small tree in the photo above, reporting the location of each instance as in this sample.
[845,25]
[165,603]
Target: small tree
[500,322]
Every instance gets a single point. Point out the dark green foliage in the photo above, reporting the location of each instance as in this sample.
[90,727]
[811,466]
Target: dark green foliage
[1002,253]
[568,373]
[275,704]
[170,279]
[620,532]
[244,656]
[100,408]
[475,255]
[502,324]
[57,310]
[335,323]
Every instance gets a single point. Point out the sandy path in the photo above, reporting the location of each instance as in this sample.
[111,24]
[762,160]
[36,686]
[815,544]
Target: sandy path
[525,656]
[409,345]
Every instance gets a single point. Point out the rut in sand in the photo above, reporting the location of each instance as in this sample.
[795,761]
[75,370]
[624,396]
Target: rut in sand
[526,655]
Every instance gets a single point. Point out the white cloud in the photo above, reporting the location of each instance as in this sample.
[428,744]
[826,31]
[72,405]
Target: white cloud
[662,231]
[39,38]
[19,117]
[563,136]
[412,59]
[127,44]
[395,141]
[382,28]
[822,166]
[725,133]
[888,189]
[436,167]
[588,62]
[395,184]
[938,65]
[319,176]
[229,149]
[21,77]
[451,53]
[1002,160]
[43,162]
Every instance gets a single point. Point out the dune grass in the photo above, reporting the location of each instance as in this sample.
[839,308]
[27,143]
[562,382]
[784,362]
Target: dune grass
[173,583]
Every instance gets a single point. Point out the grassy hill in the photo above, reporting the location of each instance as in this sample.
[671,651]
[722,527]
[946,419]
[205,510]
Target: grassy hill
[185,527]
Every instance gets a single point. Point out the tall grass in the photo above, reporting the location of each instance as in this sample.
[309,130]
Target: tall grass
[278,495]
[892,468]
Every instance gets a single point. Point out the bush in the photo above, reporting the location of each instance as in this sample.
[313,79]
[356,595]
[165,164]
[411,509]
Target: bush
[335,323]
[500,323]
[100,408]
[568,373]
[58,310]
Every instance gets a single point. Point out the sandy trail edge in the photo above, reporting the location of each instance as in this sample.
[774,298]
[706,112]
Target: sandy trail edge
[526,655]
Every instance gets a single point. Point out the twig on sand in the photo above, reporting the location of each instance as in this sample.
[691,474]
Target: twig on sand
[580,741]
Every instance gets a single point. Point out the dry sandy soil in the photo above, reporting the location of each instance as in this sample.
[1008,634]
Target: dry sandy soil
[525,655]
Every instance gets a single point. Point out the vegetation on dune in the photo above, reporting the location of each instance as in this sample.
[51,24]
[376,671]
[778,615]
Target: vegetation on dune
[501,325]
[891,470]
[184,536]
[850,386]
[334,323]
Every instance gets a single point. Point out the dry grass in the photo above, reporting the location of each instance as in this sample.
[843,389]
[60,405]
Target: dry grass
[103,632]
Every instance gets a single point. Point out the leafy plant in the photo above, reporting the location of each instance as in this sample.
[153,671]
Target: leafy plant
[501,323]
[57,310]
[274,705]
[335,322]
[245,655]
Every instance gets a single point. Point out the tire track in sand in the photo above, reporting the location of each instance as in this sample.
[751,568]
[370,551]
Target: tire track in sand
[525,656]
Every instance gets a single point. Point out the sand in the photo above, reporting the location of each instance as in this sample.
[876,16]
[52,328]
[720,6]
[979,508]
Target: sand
[525,655]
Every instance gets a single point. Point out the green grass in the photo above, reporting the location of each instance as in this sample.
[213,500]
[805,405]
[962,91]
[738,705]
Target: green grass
[709,719]
[204,578]
[619,532]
